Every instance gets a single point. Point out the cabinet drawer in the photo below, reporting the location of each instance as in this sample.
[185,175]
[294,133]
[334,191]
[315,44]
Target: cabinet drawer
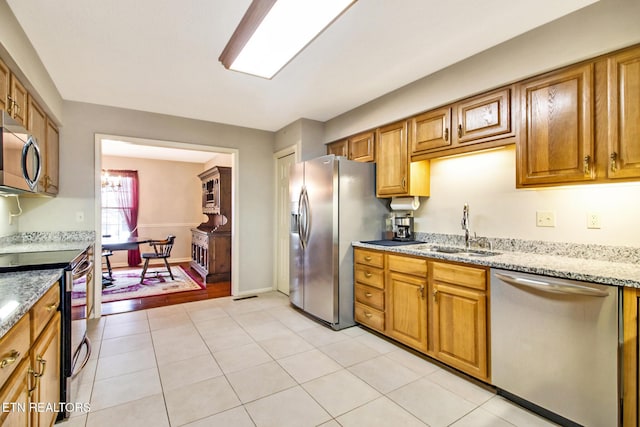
[374,259]
[408,265]
[44,309]
[369,316]
[14,347]
[369,276]
[370,296]
[475,278]
[198,239]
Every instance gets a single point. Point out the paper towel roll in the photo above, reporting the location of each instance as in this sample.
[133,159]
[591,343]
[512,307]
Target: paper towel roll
[405,203]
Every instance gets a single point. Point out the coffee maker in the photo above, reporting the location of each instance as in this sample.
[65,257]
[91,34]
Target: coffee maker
[403,228]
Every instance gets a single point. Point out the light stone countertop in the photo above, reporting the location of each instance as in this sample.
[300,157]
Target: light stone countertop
[583,269]
[22,290]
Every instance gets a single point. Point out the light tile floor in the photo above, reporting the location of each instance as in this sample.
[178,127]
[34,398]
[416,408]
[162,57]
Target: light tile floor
[259,362]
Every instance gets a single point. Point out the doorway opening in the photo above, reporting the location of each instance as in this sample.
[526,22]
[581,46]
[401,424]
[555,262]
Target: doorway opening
[170,203]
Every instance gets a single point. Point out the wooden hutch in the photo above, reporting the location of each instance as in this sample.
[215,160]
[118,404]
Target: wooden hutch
[211,240]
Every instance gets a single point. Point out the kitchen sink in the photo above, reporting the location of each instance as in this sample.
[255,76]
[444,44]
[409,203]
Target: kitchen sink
[463,251]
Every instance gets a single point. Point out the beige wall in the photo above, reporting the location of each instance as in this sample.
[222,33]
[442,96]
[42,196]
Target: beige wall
[170,201]
[254,186]
[487,181]
[21,57]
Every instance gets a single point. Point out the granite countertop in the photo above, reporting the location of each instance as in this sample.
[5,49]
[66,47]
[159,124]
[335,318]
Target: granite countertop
[569,267]
[19,291]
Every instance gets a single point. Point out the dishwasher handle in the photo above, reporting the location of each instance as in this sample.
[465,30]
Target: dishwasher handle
[552,286]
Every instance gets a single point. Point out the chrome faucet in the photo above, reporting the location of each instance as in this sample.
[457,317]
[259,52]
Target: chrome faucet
[465,225]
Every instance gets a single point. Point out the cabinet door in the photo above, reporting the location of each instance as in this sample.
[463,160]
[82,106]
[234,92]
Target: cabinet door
[52,159]
[5,77]
[624,115]
[431,130]
[484,117]
[407,312]
[460,328]
[14,394]
[555,144]
[339,148]
[393,160]
[45,362]
[362,147]
[19,96]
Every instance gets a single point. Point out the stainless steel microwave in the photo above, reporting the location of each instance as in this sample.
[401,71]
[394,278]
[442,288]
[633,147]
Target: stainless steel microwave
[20,159]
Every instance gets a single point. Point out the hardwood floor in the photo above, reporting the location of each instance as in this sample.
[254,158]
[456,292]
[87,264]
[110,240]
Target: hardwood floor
[213,290]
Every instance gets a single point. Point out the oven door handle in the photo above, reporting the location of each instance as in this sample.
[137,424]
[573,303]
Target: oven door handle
[83,271]
[87,343]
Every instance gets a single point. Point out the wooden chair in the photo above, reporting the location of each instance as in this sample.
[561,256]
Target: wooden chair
[161,250]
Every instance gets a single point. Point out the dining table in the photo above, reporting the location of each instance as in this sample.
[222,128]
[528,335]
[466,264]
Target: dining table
[111,244]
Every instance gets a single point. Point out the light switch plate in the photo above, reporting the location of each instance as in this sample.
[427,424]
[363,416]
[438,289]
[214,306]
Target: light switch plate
[545,219]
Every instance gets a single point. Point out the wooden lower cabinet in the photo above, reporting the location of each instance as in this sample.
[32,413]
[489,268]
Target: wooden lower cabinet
[14,395]
[407,314]
[369,289]
[45,357]
[437,308]
[459,317]
[211,255]
[31,361]
[630,357]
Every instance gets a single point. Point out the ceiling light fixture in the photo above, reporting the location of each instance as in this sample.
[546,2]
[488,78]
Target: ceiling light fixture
[272,32]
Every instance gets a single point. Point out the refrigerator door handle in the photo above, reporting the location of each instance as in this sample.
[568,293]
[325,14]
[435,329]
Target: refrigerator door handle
[307,217]
[302,212]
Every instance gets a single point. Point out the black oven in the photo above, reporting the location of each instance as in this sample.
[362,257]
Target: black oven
[76,346]
[78,268]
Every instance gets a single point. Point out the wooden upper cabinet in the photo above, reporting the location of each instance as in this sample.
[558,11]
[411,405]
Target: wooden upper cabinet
[18,98]
[339,148]
[392,169]
[5,80]
[52,168]
[362,147]
[484,117]
[431,130]
[624,115]
[395,174]
[556,139]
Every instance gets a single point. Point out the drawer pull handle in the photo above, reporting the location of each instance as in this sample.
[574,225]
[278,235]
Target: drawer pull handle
[367,258]
[587,165]
[52,306]
[614,158]
[421,291]
[367,274]
[368,295]
[435,295]
[368,314]
[13,356]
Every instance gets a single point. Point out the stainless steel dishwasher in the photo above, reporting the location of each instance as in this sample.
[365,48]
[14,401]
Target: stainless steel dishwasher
[554,347]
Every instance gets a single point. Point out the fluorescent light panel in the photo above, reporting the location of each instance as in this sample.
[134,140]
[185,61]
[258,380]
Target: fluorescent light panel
[271,34]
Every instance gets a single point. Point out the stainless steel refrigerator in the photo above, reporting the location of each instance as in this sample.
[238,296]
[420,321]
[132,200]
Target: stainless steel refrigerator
[332,203]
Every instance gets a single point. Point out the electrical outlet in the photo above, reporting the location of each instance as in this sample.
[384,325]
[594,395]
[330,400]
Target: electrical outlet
[545,219]
[593,220]
[79,216]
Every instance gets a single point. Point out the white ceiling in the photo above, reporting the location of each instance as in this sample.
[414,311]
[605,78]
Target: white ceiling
[148,149]
[162,55]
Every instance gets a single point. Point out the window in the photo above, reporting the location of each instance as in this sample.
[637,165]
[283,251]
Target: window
[117,203]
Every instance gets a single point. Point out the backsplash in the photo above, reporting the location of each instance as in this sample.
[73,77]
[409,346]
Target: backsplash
[622,254]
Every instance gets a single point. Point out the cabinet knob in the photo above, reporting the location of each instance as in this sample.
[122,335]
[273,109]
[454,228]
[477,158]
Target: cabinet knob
[614,159]
[587,165]
[10,359]
[367,274]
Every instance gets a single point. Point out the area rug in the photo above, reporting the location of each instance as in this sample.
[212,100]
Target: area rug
[127,285]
